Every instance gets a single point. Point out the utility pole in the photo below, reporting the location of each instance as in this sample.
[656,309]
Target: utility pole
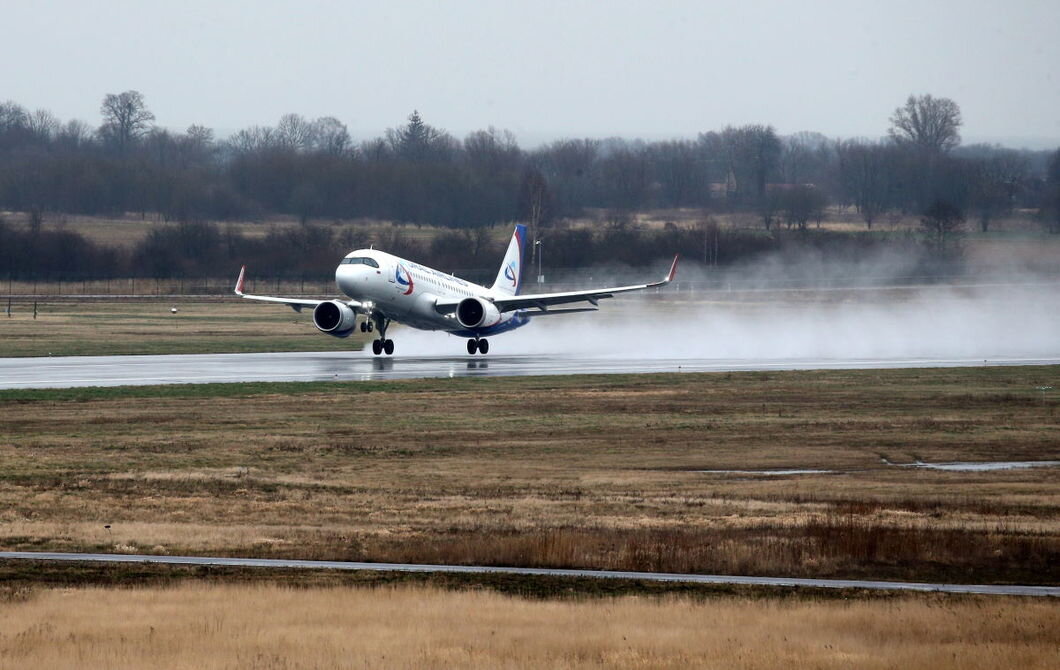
[539,248]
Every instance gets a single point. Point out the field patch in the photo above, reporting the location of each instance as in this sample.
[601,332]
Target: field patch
[590,472]
[223,626]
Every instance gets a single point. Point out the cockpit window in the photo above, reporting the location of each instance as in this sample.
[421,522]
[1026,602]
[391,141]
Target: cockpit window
[360,260]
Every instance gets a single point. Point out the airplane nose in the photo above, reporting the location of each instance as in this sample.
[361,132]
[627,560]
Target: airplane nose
[345,276]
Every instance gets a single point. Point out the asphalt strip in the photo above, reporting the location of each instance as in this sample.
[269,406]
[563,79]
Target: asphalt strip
[979,589]
[79,371]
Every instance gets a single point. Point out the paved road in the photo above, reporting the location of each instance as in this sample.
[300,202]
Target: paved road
[65,372]
[982,589]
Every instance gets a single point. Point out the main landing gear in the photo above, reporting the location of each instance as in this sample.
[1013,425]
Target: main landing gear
[479,345]
[380,346]
[380,323]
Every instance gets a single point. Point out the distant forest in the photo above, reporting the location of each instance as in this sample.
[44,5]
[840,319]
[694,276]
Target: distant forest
[312,169]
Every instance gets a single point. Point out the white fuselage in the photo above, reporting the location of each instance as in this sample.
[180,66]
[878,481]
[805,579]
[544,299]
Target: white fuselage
[408,292]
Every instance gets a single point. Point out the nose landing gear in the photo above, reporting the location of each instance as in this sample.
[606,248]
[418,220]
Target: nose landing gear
[479,345]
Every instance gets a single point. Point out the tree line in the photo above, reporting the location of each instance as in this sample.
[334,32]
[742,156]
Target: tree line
[417,173]
[203,249]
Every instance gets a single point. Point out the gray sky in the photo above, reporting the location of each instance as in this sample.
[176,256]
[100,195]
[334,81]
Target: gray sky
[545,69]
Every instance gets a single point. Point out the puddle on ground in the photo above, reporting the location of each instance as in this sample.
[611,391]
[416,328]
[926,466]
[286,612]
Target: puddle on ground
[955,466]
[981,466]
[774,473]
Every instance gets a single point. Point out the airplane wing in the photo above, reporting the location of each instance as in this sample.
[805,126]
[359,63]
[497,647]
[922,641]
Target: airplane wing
[543,301]
[294,303]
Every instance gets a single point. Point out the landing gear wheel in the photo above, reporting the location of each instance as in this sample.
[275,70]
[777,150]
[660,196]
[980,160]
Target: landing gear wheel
[364,326]
[377,347]
[370,326]
[388,347]
[472,347]
[483,346]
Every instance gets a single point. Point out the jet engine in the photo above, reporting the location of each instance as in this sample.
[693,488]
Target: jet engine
[334,318]
[477,313]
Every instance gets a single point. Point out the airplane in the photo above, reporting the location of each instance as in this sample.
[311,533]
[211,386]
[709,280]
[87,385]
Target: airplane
[384,288]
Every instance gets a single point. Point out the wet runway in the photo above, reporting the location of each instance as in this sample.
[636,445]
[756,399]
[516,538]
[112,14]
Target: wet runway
[76,371]
[982,589]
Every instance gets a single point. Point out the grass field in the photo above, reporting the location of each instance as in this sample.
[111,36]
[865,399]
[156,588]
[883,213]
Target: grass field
[104,327]
[273,627]
[126,231]
[594,472]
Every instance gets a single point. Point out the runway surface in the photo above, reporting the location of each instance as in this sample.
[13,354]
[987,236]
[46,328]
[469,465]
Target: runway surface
[75,371]
[981,589]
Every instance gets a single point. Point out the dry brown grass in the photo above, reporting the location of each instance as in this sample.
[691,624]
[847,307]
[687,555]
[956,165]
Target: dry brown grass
[581,471]
[271,627]
[127,231]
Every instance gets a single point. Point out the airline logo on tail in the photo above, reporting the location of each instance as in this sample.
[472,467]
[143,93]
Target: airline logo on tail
[508,276]
[404,278]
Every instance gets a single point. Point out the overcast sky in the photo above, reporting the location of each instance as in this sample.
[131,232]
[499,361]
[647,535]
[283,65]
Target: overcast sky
[545,69]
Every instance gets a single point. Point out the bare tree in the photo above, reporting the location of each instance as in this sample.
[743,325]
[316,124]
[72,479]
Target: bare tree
[942,221]
[125,118]
[74,133]
[769,207]
[1053,193]
[571,166]
[679,173]
[929,123]
[492,151]
[374,150]
[535,204]
[801,155]
[253,139]
[197,146]
[865,178]
[43,124]
[802,203]
[330,136]
[12,116]
[752,154]
[200,134]
[626,177]
[294,132]
[995,181]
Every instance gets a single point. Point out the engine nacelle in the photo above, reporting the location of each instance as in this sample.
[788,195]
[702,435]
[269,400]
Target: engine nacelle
[477,313]
[334,318]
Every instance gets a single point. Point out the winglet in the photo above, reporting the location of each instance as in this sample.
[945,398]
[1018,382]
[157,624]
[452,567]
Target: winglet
[239,282]
[673,270]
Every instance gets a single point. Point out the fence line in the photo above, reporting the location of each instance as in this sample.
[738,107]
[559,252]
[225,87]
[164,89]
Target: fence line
[140,287]
[325,286]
